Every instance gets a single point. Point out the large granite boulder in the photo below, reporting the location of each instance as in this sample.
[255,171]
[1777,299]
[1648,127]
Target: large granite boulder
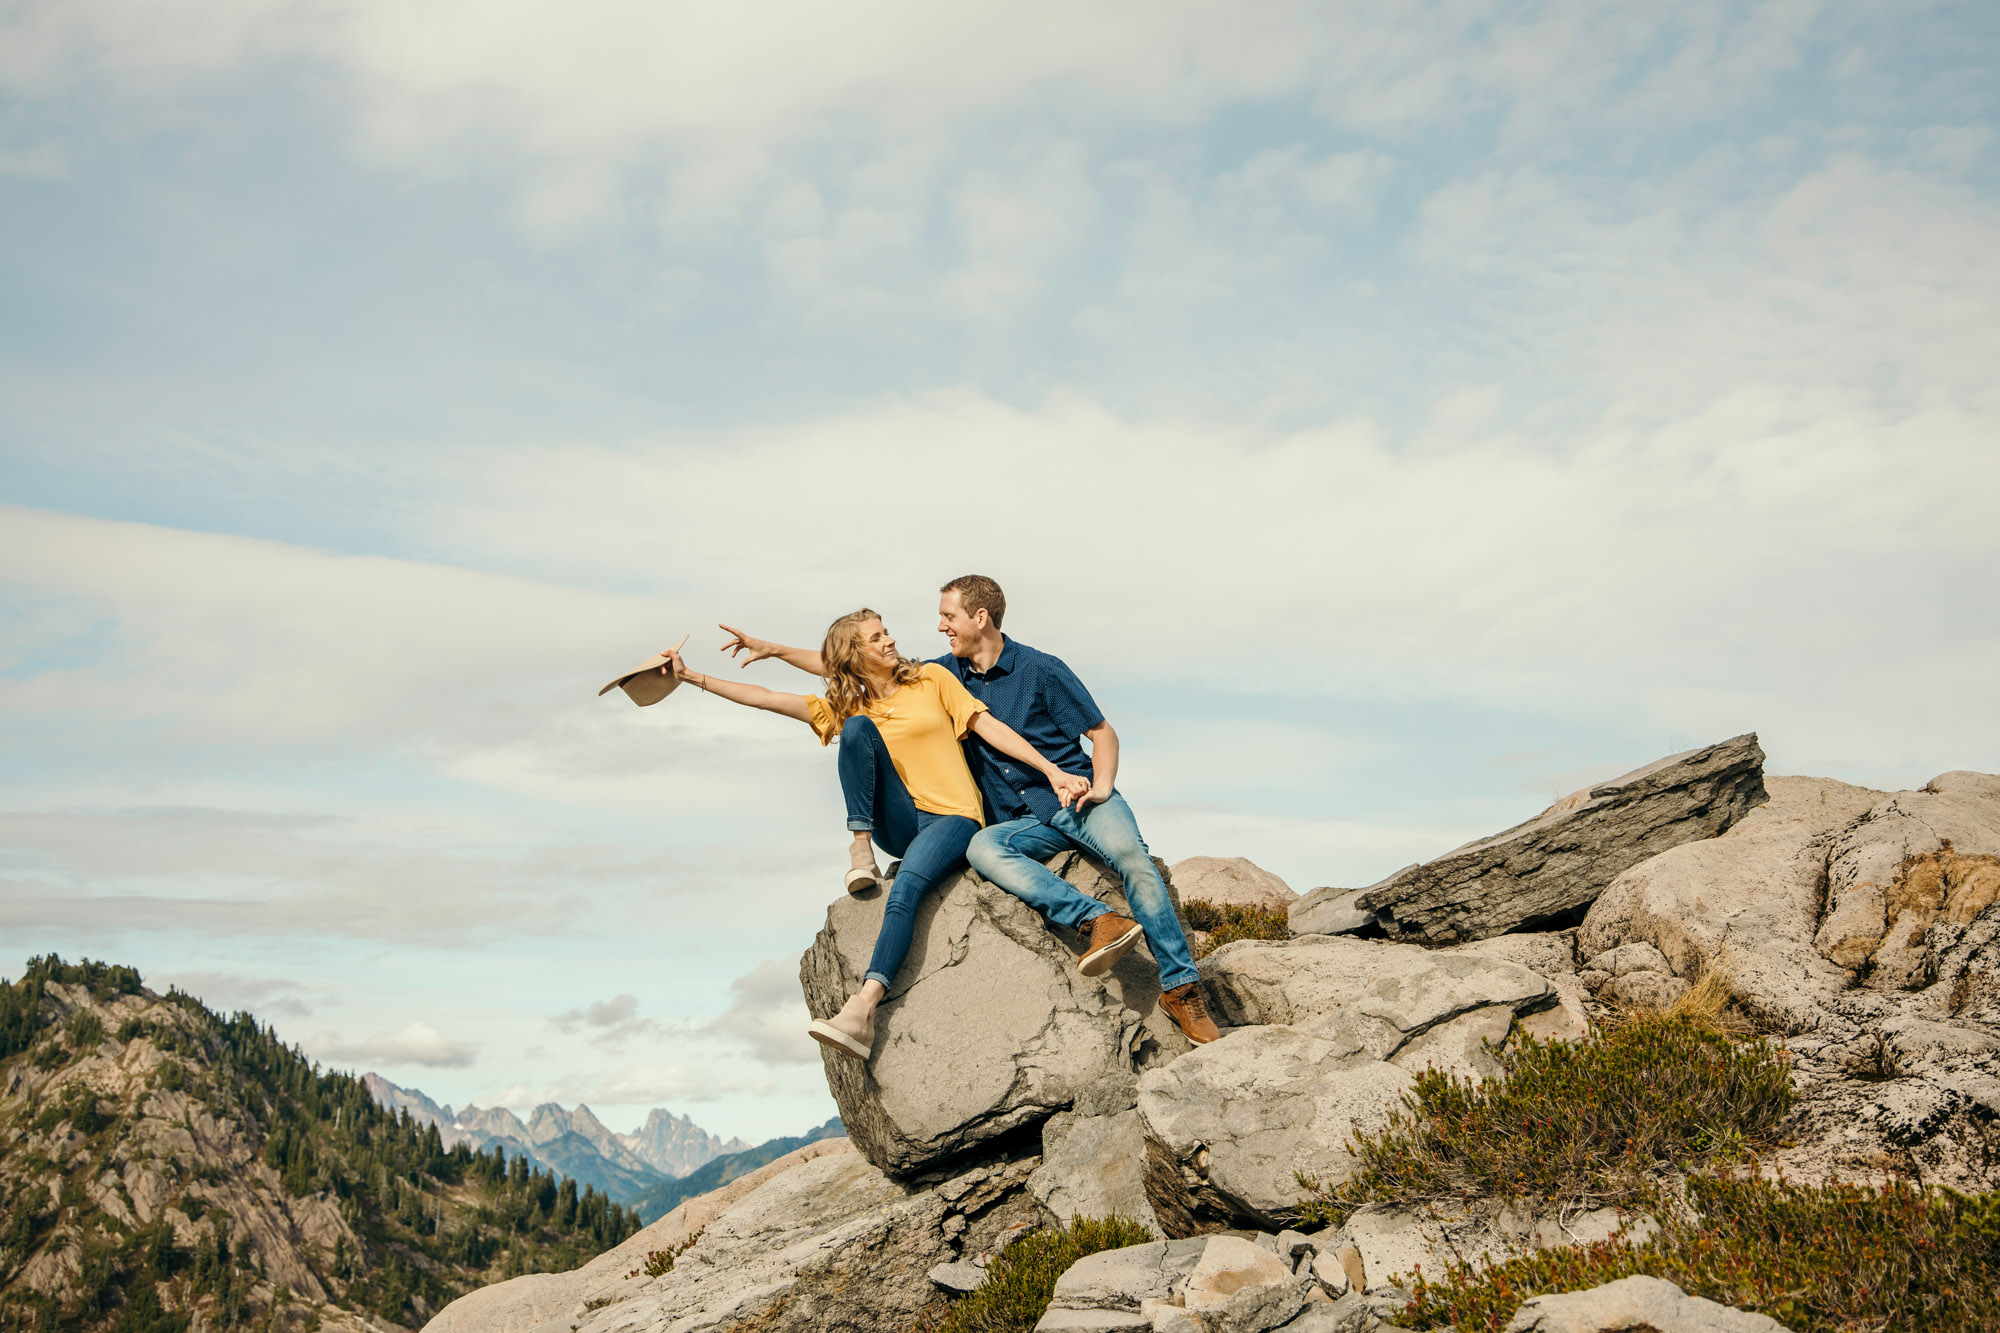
[989,1027]
[1230,881]
[1565,856]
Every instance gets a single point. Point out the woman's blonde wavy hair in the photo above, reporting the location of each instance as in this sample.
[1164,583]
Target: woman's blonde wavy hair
[841,658]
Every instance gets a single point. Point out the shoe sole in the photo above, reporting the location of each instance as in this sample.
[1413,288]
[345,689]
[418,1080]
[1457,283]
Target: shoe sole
[826,1034]
[857,880]
[1099,961]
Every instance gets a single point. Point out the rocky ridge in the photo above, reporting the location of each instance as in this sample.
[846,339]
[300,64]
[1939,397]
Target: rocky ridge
[159,1163]
[1858,926]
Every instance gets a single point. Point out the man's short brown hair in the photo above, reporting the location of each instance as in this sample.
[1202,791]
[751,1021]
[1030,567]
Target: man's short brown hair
[979,593]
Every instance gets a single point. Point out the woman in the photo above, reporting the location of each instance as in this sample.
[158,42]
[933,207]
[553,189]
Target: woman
[904,777]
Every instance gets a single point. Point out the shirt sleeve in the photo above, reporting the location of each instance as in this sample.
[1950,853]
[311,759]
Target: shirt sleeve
[820,718]
[1070,706]
[957,700]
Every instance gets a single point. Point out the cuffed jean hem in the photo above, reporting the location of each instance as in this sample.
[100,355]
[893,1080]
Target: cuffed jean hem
[877,976]
[860,826]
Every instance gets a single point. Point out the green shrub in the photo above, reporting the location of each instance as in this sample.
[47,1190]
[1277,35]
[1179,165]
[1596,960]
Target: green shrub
[1023,1276]
[659,1263]
[1826,1258]
[1226,923]
[1576,1122]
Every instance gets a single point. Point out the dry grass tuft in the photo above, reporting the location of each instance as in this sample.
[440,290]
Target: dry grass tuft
[1225,923]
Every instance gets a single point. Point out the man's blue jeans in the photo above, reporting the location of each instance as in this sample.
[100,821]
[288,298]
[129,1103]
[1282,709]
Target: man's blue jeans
[1011,855]
[932,846]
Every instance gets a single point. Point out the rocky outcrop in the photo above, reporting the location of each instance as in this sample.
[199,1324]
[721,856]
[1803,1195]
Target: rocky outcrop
[1808,912]
[1330,1032]
[1330,911]
[1231,881]
[524,1303]
[992,994]
[821,1242]
[1564,857]
[1631,1304]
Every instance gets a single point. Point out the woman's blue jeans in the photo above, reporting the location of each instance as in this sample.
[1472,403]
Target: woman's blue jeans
[931,846]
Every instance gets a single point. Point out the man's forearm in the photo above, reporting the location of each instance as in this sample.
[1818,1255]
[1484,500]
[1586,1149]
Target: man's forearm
[1103,756]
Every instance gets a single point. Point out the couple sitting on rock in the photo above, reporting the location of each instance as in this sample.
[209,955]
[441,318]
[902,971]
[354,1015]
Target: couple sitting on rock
[912,786]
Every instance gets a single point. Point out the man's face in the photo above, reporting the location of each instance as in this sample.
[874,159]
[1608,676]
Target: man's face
[876,641]
[958,628]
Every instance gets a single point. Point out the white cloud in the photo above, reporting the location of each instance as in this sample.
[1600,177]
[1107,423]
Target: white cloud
[417,1044]
[767,1015]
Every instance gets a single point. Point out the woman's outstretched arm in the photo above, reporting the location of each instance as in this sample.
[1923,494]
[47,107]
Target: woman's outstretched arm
[736,691]
[805,659]
[1069,787]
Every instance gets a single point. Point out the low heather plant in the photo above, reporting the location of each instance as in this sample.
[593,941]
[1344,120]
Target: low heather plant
[1821,1259]
[1225,923]
[1572,1122]
[1023,1276]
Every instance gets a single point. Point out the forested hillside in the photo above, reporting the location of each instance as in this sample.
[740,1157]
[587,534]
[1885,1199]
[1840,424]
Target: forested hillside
[163,1168]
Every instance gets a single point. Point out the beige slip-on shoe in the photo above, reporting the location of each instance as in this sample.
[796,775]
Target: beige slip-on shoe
[857,1043]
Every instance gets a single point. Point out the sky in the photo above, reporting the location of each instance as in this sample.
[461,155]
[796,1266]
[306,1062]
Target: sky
[1399,415]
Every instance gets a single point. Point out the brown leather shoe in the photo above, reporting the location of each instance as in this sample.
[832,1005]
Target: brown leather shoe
[1111,938]
[1189,1011]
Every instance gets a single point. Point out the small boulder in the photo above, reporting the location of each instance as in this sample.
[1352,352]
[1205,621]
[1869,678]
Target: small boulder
[1125,1278]
[1230,881]
[1228,1265]
[1330,911]
[1565,856]
[1228,1124]
[1094,1166]
[1634,1303]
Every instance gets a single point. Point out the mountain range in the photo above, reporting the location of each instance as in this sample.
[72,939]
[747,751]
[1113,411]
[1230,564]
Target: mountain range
[575,1143]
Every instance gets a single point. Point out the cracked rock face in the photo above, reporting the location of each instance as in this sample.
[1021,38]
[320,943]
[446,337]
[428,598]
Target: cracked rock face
[1565,856]
[1229,1123]
[1907,880]
[989,1026]
[829,1246]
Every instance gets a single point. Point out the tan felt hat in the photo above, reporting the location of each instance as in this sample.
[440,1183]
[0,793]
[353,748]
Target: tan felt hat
[643,683]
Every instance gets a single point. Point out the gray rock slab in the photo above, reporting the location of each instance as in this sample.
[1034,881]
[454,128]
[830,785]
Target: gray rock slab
[1565,856]
[1091,1321]
[1330,911]
[1121,1279]
[1228,1124]
[1094,1166]
[989,1026]
[960,1276]
[1634,1303]
[1395,1243]
[1362,995]
[1231,881]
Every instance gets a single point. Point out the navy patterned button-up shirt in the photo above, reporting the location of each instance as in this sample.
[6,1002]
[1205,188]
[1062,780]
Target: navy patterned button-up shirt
[1041,698]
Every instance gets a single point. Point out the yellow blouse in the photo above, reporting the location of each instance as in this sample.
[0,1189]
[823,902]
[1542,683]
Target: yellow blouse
[922,724]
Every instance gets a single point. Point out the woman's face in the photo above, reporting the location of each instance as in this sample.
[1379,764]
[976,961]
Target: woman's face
[875,641]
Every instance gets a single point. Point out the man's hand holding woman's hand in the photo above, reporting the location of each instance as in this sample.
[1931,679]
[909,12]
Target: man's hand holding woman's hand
[1095,796]
[1069,787]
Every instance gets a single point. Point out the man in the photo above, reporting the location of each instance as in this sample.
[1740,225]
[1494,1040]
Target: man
[1042,699]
